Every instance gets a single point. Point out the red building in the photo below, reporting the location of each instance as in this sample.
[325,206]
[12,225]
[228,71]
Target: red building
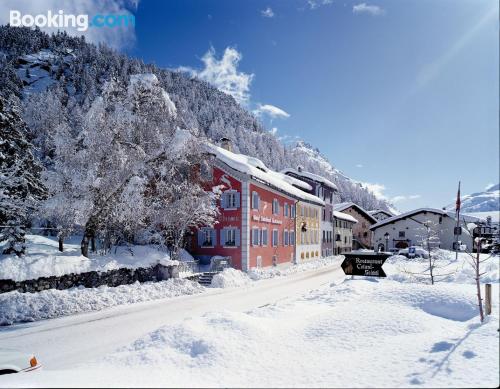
[256,227]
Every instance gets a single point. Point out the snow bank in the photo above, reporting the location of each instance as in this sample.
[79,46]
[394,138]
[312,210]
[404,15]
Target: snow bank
[282,271]
[43,259]
[230,278]
[294,343]
[402,269]
[24,307]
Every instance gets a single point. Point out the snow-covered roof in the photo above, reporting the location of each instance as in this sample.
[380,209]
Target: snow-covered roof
[311,176]
[421,210]
[257,169]
[375,211]
[343,206]
[344,216]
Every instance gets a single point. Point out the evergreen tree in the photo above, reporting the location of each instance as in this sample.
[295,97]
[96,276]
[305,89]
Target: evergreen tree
[20,184]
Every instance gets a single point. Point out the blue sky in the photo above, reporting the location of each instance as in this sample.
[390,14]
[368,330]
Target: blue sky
[402,94]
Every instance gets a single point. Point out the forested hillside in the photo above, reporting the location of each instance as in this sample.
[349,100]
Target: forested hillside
[63,80]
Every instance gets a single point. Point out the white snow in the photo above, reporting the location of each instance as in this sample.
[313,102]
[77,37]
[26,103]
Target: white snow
[360,333]
[230,278]
[24,307]
[344,216]
[311,176]
[345,333]
[256,168]
[43,259]
[288,269]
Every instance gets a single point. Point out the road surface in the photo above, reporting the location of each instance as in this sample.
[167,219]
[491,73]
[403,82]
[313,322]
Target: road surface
[68,341]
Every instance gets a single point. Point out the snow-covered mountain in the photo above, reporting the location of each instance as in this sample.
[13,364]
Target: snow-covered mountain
[486,201]
[64,75]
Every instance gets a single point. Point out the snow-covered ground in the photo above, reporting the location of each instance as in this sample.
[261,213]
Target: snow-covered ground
[43,259]
[328,331]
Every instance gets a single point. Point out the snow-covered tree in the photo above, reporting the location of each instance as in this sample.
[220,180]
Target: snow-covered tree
[176,199]
[20,184]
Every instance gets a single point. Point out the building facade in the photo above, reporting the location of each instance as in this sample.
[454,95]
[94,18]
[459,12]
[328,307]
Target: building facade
[256,226]
[343,226]
[361,234]
[409,229]
[327,191]
[308,230]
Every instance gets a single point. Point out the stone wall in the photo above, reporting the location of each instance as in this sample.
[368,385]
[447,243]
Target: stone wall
[92,279]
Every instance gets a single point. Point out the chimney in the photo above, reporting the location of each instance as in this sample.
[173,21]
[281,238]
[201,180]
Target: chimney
[299,168]
[226,143]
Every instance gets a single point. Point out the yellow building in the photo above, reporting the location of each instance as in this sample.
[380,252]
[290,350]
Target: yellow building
[307,231]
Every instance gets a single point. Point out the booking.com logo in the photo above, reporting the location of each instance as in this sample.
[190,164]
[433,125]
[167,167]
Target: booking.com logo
[62,20]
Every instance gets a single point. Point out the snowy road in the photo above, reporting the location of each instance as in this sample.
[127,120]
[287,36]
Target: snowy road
[63,342]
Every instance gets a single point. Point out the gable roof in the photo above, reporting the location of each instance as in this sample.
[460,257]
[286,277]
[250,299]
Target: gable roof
[375,211]
[441,212]
[311,176]
[256,169]
[343,206]
[344,216]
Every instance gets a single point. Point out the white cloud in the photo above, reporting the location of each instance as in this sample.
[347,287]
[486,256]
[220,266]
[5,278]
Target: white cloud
[378,192]
[314,4]
[271,111]
[374,10]
[224,74]
[117,37]
[398,199]
[376,189]
[359,165]
[274,130]
[267,13]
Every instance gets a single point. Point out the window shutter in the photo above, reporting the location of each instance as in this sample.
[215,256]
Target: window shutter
[222,237]
[223,200]
[237,199]
[200,238]
[258,202]
[213,234]
[237,237]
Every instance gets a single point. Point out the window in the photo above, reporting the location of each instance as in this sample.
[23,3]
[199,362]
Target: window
[206,237]
[275,238]
[291,238]
[292,210]
[276,207]
[264,237]
[285,238]
[230,237]
[255,200]
[324,214]
[285,209]
[230,200]
[255,237]
[345,239]
[457,230]
[401,234]
[301,211]
[324,236]
[337,238]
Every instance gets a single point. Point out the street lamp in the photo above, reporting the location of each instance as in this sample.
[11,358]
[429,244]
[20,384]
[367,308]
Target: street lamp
[386,236]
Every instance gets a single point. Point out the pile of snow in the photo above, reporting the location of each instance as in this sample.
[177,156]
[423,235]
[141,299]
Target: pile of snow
[403,269]
[230,278]
[43,259]
[430,336]
[25,307]
[281,271]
